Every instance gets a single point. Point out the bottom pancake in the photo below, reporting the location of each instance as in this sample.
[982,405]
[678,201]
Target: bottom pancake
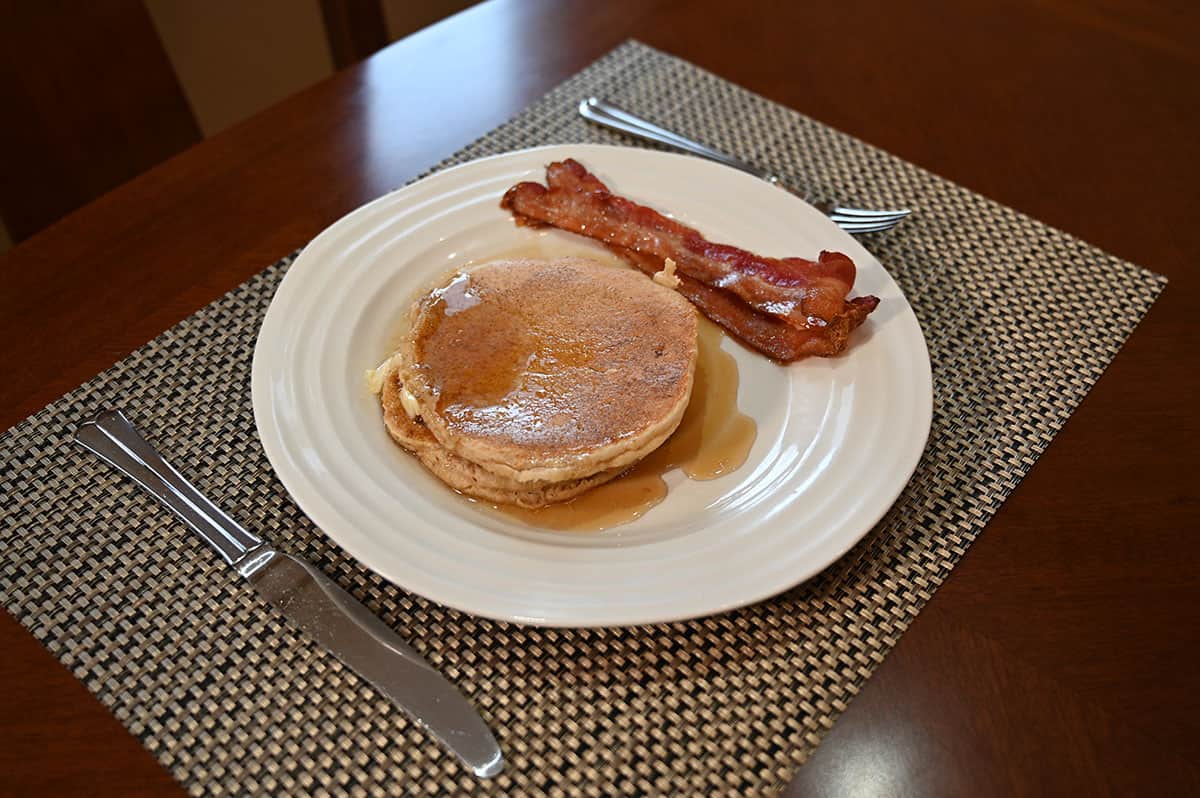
[470,478]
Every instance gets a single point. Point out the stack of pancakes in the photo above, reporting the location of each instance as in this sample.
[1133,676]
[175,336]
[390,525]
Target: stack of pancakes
[528,382]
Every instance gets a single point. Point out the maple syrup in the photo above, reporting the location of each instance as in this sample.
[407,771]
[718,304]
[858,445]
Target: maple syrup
[714,438]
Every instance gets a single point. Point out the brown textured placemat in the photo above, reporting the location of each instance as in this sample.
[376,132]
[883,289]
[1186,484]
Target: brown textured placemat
[1021,319]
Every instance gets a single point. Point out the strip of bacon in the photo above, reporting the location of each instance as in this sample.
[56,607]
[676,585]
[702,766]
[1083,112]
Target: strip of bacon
[807,294]
[768,334]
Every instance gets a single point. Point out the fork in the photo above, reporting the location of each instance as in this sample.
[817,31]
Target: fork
[852,220]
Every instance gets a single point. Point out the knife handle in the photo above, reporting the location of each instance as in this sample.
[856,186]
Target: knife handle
[113,438]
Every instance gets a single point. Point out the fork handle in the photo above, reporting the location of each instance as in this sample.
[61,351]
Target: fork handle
[608,115]
[114,439]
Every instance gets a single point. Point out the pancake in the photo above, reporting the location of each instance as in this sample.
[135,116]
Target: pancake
[465,476]
[545,371]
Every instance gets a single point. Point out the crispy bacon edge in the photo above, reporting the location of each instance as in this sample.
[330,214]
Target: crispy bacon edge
[768,334]
[578,201]
[795,289]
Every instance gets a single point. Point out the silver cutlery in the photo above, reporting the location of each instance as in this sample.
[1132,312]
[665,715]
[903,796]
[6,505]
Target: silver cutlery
[306,597]
[852,220]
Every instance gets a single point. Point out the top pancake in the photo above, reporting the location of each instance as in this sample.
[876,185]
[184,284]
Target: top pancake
[545,370]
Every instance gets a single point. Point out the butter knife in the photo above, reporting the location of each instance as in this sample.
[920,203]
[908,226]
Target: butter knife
[306,596]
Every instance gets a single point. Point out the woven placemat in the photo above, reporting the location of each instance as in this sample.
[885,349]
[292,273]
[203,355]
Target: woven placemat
[1021,320]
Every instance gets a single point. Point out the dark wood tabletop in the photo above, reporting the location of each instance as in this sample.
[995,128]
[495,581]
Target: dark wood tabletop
[1061,656]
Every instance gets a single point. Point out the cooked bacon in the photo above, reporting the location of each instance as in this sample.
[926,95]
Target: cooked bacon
[807,294]
[770,335]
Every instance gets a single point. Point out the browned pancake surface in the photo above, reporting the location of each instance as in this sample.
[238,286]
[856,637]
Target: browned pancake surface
[532,364]
[465,476]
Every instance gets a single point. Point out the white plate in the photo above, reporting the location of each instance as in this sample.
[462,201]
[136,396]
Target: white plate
[837,438]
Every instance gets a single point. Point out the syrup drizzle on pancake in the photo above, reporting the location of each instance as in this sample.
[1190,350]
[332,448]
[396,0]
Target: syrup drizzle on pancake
[557,365]
[714,438]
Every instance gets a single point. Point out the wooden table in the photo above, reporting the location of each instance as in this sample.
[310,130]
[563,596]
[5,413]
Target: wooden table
[1061,655]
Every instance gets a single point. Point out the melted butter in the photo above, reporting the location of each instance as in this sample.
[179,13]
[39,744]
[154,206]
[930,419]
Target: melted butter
[667,276]
[456,296]
[714,438]
[377,375]
[409,403]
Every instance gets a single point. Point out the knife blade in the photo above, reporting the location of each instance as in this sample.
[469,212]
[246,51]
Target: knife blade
[308,598]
